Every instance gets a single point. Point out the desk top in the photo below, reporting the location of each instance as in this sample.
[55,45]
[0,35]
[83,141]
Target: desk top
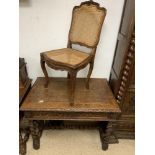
[98,98]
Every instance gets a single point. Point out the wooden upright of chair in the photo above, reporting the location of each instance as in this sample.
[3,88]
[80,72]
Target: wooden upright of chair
[87,21]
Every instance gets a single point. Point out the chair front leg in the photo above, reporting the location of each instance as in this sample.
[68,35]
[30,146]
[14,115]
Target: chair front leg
[89,73]
[42,62]
[72,84]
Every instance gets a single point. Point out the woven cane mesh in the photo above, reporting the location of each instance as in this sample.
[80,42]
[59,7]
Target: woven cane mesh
[86,24]
[67,56]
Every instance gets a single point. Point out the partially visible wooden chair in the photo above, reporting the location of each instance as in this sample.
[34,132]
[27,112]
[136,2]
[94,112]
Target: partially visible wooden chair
[24,88]
[87,21]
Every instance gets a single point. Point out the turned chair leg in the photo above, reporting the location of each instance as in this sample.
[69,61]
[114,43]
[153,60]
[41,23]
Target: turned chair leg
[89,73]
[72,84]
[42,62]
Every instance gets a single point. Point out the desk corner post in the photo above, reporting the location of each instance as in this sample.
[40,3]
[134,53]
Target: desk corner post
[36,128]
[105,130]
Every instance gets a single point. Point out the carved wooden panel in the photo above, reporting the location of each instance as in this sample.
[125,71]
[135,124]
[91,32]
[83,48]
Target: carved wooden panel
[129,106]
[93,116]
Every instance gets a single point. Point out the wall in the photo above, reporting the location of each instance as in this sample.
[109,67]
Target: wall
[44,25]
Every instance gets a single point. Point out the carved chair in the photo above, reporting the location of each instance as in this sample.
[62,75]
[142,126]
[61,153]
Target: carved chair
[87,21]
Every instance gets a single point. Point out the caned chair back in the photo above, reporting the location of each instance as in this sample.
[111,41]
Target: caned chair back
[87,20]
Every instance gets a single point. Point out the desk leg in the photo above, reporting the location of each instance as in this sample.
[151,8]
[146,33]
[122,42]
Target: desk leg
[105,130]
[22,141]
[36,128]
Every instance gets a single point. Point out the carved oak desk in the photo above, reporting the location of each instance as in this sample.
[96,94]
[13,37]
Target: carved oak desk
[52,103]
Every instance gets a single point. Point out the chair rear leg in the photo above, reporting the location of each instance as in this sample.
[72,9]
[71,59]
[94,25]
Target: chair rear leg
[72,84]
[89,73]
[42,62]
[68,75]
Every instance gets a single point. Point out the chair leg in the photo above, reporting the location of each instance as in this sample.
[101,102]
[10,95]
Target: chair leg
[42,62]
[89,73]
[68,75]
[73,83]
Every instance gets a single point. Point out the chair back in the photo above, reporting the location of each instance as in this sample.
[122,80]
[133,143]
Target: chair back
[87,21]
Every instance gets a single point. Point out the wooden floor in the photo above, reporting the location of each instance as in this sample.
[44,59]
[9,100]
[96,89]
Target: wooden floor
[98,98]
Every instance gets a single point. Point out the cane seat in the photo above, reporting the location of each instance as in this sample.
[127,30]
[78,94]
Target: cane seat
[66,56]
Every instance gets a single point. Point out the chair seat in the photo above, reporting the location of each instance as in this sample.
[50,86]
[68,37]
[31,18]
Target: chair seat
[67,56]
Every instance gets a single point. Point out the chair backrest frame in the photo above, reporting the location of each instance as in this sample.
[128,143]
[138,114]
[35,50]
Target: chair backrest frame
[81,43]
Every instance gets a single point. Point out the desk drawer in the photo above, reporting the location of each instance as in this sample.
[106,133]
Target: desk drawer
[90,116]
